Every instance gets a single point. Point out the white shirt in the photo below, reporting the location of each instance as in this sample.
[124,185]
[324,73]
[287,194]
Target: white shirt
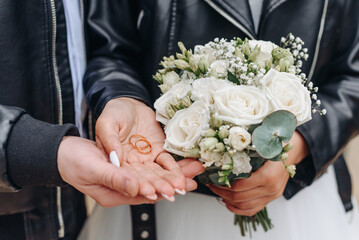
[256,9]
[76,49]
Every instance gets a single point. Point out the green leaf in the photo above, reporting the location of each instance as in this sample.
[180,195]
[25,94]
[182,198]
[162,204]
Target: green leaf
[240,176]
[253,127]
[256,163]
[282,123]
[276,127]
[276,158]
[233,78]
[203,178]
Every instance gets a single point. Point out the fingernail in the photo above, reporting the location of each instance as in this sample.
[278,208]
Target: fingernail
[180,192]
[220,200]
[171,199]
[152,197]
[114,159]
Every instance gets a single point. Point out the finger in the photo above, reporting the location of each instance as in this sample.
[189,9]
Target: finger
[252,204]
[109,198]
[107,132]
[170,171]
[249,212]
[116,178]
[190,185]
[191,167]
[242,196]
[146,188]
[151,174]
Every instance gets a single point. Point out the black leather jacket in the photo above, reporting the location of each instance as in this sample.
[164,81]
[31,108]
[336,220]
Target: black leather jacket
[127,39]
[36,85]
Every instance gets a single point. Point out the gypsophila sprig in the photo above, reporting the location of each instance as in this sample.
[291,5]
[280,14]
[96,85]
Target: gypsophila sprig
[233,103]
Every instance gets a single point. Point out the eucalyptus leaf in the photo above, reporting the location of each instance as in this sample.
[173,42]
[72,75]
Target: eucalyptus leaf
[276,127]
[282,123]
[203,178]
[253,127]
[267,144]
[241,176]
[276,158]
[256,163]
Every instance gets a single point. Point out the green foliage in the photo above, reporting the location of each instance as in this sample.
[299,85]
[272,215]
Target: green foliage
[276,127]
[233,78]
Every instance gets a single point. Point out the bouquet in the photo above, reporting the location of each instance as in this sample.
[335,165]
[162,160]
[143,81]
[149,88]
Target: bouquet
[232,104]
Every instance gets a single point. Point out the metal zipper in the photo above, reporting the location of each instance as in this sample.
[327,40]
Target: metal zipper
[229,18]
[82,9]
[61,231]
[319,39]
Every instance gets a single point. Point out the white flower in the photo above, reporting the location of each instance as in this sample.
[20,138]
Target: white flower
[286,92]
[209,157]
[204,88]
[265,53]
[183,131]
[239,138]
[169,79]
[241,162]
[219,69]
[177,92]
[241,105]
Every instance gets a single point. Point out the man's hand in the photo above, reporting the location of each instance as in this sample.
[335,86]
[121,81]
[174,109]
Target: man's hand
[158,172]
[249,196]
[85,167]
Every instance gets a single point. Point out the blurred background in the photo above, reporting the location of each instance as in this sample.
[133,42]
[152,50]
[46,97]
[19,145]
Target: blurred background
[352,157]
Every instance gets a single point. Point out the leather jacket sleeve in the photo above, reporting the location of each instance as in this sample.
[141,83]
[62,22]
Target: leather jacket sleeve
[114,54]
[28,150]
[339,93]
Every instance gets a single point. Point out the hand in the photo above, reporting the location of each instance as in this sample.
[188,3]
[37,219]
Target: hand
[121,119]
[86,168]
[249,196]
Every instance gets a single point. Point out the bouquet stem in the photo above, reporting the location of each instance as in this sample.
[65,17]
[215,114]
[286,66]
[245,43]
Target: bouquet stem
[247,223]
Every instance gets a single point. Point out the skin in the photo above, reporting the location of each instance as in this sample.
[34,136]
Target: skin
[87,168]
[249,196]
[157,172]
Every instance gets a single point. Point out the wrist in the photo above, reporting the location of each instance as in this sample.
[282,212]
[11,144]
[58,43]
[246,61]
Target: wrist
[300,150]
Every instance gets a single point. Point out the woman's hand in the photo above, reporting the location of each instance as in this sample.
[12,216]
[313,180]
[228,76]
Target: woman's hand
[249,196]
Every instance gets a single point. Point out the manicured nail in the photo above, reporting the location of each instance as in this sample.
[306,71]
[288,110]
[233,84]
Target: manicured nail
[114,159]
[152,197]
[220,200]
[180,192]
[171,199]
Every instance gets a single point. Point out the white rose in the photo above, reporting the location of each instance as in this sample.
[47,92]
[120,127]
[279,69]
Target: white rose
[183,131]
[241,162]
[169,80]
[219,69]
[239,138]
[286,92]
[178,91]
[265,53]
[241,105]
[204,88]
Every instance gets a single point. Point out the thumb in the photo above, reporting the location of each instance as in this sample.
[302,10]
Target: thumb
[107,135]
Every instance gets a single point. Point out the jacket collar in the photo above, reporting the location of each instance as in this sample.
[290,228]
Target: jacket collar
[238,12]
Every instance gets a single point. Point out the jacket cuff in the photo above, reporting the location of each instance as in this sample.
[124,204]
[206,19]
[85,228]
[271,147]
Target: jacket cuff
[32,152]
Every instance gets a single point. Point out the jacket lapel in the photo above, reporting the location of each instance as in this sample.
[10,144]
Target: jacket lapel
[238,12]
